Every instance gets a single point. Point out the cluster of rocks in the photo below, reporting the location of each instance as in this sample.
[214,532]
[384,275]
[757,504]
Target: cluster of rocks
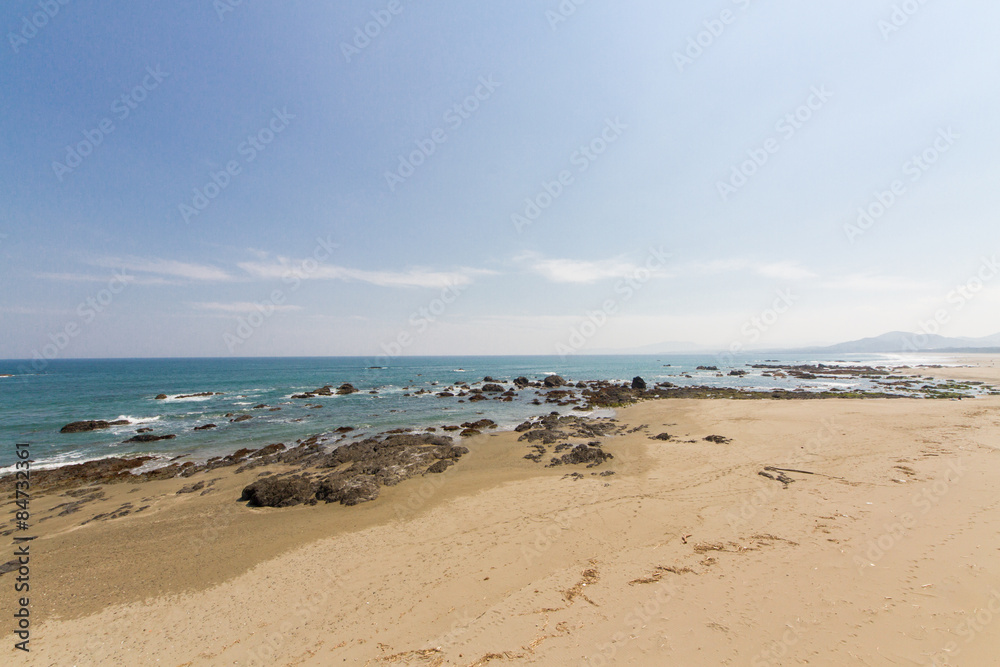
[554,429]
[361,469]
[327,390]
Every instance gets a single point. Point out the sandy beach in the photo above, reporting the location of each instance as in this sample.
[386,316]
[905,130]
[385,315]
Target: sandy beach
[873,540]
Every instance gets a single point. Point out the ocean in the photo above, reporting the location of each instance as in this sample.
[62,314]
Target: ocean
[36,403]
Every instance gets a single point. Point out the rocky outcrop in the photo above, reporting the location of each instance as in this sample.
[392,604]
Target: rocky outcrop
[521,382]
[553,381]
[280,492]
[348,490]
[492,388]
[346,388]
[91,425]
[638,383]
[204,427]
[591,455]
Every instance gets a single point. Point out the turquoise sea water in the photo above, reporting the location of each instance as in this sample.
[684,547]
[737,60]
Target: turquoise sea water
[35,404]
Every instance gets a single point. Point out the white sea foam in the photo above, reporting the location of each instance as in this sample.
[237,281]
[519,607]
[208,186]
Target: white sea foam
[138,420]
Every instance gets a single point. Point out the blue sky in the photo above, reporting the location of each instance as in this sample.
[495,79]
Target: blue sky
[196,178]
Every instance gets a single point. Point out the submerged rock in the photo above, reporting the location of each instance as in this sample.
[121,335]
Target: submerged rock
[91,425]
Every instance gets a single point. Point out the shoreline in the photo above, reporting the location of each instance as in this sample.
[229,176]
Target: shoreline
[676,525]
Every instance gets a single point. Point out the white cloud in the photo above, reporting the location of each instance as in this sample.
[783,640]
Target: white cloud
[869,282]
[580,271]
[240,307]
[166,267]
[118,277]
[283,267]
[784,270]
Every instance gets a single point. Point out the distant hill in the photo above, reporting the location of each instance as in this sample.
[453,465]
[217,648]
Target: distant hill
[901,341]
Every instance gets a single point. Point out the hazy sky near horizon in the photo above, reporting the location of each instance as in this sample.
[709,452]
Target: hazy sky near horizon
[308,178]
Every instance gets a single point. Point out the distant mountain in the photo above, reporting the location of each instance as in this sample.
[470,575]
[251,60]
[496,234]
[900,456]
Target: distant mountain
[901,341]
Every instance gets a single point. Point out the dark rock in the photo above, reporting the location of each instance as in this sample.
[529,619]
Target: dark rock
[553,381]
[204,427]
[259,407]
[440,466]
[91,425]
[191,488]
[268,450]
[146,437]
[346,388]
[718,439]
[638,383]
[490,378]
[160,397]
[348,491]
[492,388]
[281,492]
[469,432]
[707,368]
[738,373]
[144,430]
[480,424]
[521,382]
[592,456]
[523,426]
[477,397]
[242,418]
[344,429]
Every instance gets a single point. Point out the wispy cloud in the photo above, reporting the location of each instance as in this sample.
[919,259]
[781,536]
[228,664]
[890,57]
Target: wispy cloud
[166,267]
[90,278]
[579,271]
[239,307]
[784,270]
[283,267]
[870,282]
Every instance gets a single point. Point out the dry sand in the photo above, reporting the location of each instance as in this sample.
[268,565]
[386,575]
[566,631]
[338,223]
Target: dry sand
[888,555]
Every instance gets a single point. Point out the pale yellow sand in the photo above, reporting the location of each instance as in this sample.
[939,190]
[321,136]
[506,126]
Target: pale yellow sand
[889,555]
